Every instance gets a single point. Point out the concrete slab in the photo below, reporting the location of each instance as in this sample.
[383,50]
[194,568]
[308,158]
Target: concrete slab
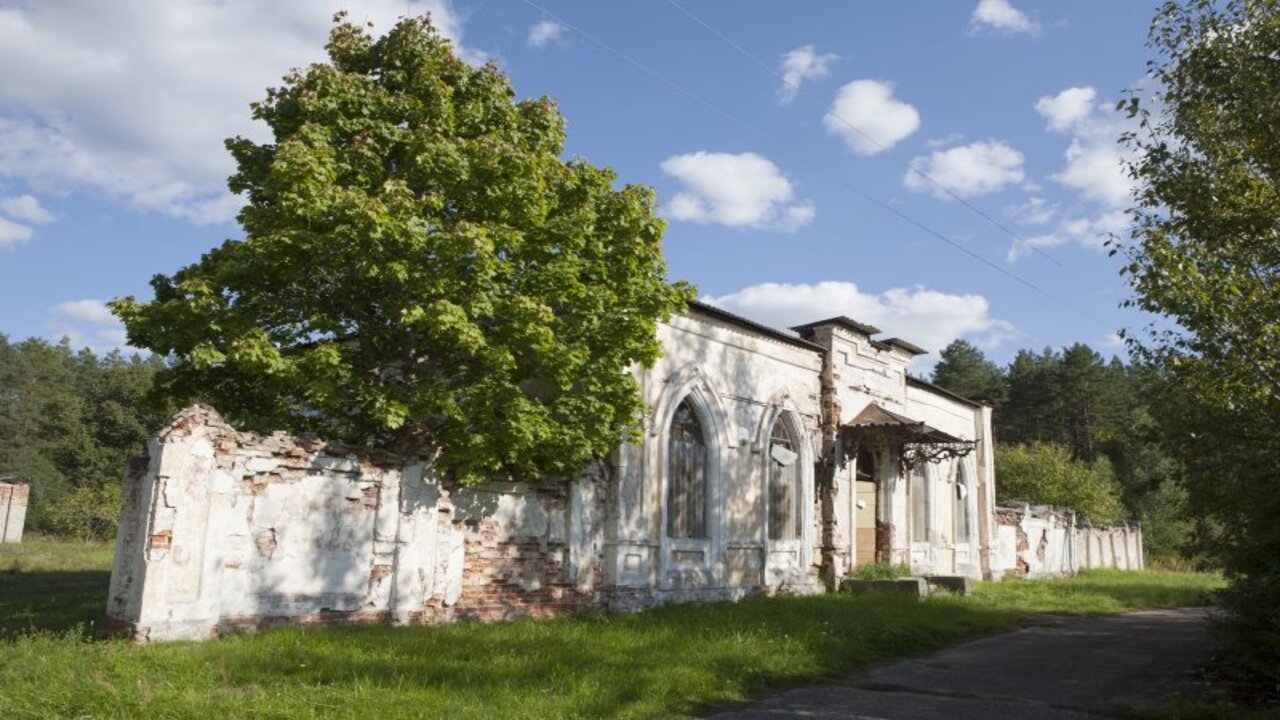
[1060,668]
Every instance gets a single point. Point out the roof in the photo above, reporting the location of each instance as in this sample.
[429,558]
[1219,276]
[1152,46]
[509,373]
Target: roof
[753,326]
[847,323]
[924,385]
[910,348]
[875,417]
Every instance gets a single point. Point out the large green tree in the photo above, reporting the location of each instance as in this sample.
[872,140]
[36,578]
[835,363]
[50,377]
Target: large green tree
[962,368]
[1205,254]
[421,270]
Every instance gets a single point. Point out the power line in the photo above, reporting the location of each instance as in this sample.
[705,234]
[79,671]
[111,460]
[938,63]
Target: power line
[837,178]
[877,144]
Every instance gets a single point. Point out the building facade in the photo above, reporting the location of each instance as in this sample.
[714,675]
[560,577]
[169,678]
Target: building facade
[781,462]
[768,462]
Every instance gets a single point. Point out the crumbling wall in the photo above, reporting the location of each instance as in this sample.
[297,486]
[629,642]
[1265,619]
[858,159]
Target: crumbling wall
[1042,541]
[223,530]
[13,510]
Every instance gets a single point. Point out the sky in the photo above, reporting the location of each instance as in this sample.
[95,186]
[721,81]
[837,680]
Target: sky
[941,170]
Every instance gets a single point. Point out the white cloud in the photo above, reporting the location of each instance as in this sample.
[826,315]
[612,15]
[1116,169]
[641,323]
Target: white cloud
[1035,211]
[869,118]
[544,32]
[88,310]
[134,100]
[945,140]
[1094,160]
[25,208]
[928,318]
[1095,169]
[968,170]
[1089,232]
[803,63]
[1066,109]
[88,323]
[742,190]
[12,233]
[1002,17]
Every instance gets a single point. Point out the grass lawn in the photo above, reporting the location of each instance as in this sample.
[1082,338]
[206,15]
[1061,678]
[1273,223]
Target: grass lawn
[671,661]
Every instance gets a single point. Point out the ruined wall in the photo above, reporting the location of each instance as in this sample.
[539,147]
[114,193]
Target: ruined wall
[223,530]
[1040,541]
[13,511]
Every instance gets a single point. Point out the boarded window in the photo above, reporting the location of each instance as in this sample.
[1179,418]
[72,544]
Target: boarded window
[918,497]
[962,504]
[686,476]
[784,484]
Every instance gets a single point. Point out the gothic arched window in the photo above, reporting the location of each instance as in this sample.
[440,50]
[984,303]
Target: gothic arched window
[686,475]
[784,484]
[962,504]
[918,498]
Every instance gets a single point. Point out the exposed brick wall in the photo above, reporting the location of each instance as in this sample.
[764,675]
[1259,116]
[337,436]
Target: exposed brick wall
[308,533]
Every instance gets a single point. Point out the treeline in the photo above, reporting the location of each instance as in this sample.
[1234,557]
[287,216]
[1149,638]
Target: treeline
[69,420]
[1073,428]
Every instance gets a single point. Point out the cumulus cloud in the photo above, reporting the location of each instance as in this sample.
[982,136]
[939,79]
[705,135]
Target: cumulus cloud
[869,118]
[1068,108]
[969,170]
[1094,161]
[133,101]
[928,318]
[742,190]
[17,214]
[87,323]
[88,310]
[25,208]
[1001,17]
[12,233]
[1090,232]
[544,32]
[803,63]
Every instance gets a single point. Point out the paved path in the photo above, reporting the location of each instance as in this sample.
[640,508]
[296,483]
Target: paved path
[1060,668]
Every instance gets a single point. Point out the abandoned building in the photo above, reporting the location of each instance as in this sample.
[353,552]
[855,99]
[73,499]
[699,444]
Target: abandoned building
[770,462]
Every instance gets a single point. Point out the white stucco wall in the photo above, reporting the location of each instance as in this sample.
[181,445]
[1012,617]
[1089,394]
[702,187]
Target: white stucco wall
[222,530]
[741,382]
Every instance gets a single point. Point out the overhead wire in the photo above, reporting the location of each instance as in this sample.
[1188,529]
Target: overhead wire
[884,205]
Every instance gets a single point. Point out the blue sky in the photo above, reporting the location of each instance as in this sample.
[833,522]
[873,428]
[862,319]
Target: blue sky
[795,169]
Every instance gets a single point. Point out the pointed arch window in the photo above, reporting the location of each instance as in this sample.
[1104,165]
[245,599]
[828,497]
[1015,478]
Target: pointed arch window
[784,484]
[963,524]
[918,498]
[686,475]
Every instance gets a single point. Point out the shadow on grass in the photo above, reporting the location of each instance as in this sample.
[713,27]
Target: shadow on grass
[52,601]
[670,661]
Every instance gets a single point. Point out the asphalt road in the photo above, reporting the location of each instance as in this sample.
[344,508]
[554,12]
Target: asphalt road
[1059,668]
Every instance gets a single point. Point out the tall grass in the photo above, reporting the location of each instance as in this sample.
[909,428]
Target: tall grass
[667,662]
[52,584]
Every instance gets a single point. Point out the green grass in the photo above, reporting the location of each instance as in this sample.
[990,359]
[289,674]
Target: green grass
[672,661]
[52,584]
[1100,591]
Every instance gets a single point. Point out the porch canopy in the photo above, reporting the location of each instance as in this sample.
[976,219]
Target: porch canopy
[920,442]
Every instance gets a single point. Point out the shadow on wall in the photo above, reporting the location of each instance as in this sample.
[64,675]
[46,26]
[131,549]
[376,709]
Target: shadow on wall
[226,530]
